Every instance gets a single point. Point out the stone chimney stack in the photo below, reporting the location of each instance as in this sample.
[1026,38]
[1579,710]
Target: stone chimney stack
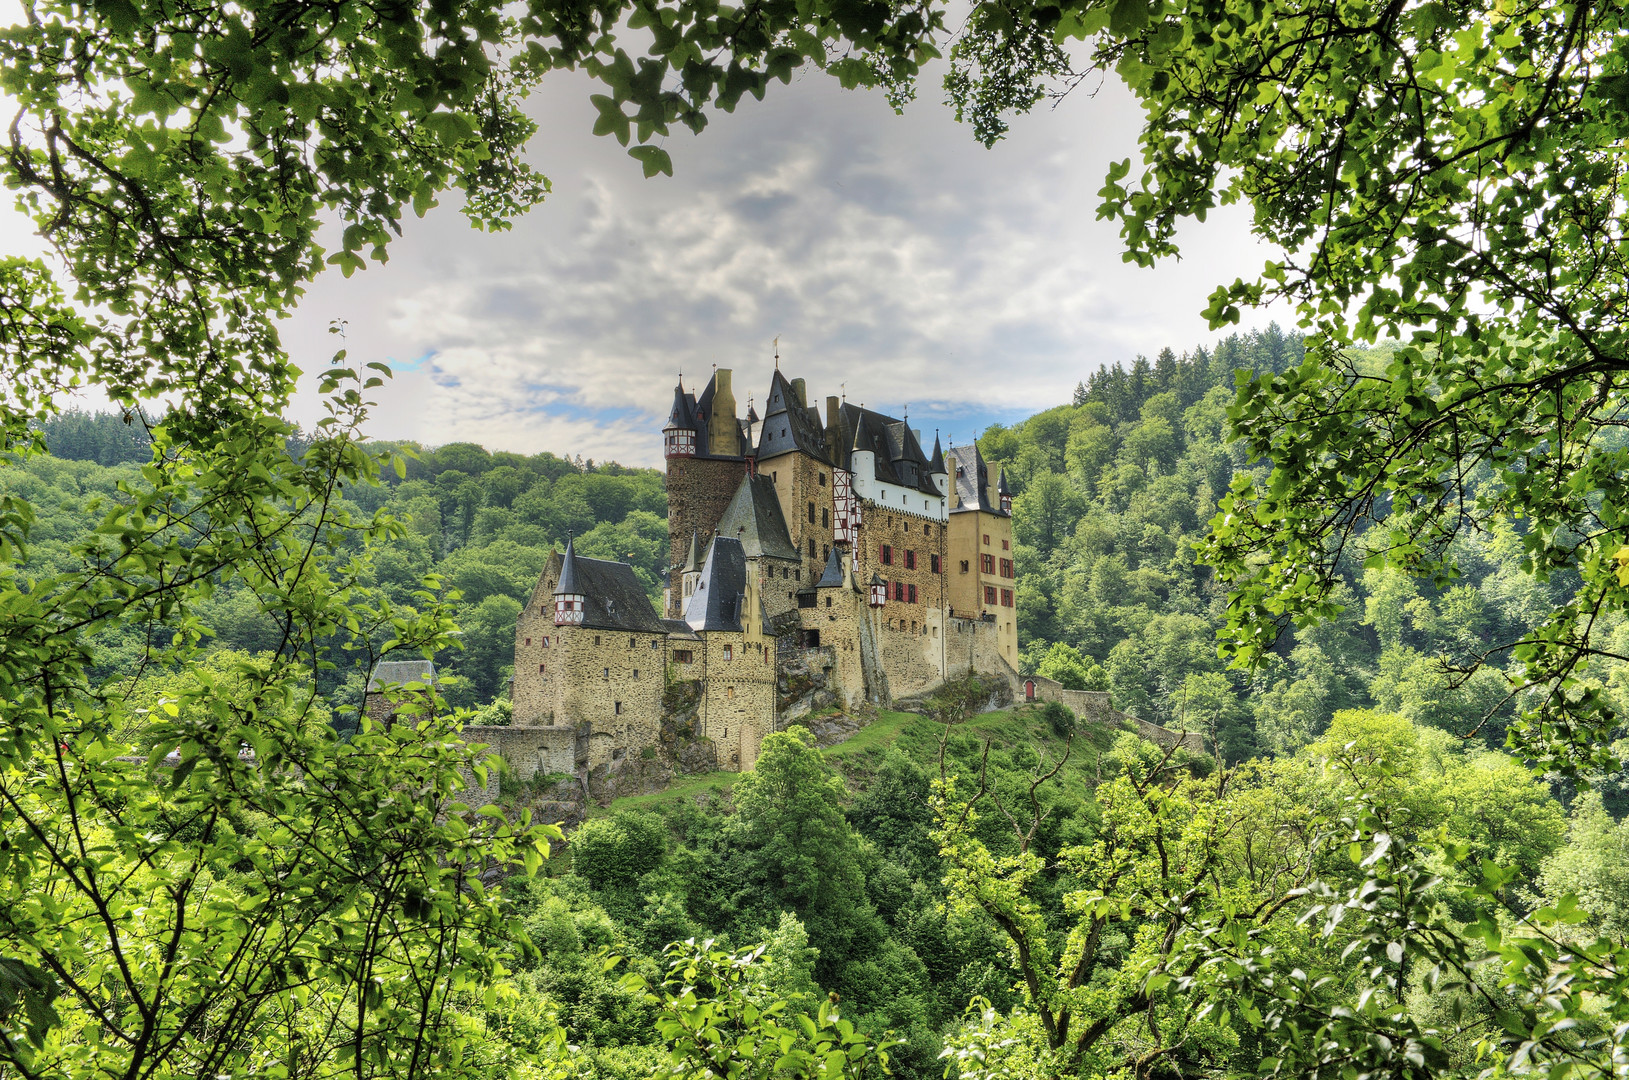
[723,431]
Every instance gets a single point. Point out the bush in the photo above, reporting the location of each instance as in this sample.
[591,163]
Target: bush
[1059,718]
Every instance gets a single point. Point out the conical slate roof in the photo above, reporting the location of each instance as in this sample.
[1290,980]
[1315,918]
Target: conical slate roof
[937,465]
[833,577]
[692,560]
[568,584]
[1002,488]
[684,411]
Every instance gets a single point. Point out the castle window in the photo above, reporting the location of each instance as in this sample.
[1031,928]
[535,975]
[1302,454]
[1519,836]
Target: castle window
[528,641]
[910,560]
[636,673]
[729,692]
[986,539]
[825,517]
[964,566]
[617,707]
[822,479]
[811,544]
[729,652]
[986,564]
[541,669]
[797,575]
[607,673]
[828,601]
[1006,598]
[887,555]
[811,513]
[1006,568]
[933,563]
[825,552]
[899,590]
[596,639]
[927,530]
[1006,545]
[656,643]
[632,642]
[913,626]
[683,656]
[989,594]
[545,642]
[910,594]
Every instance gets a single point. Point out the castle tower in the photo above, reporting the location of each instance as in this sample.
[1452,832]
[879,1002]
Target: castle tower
[706,447]
[982,579]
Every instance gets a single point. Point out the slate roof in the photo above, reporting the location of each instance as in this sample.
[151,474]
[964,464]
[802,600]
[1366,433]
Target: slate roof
[568,584]
[754,517]
[716,603]
[613,598]
[898,456]
[684,410]
[937,465]
[400,673]
[833,577]
[678,628]
[1002,488]
[971,477]
[692,558]
[790,425]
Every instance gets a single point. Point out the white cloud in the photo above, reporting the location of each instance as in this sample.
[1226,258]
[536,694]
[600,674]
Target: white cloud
[893,255]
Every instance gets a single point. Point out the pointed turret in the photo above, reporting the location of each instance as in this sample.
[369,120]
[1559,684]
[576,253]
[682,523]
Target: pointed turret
[936,468]
[679,436]
[568,593]
[692,561]
[1004,493]
[879,591]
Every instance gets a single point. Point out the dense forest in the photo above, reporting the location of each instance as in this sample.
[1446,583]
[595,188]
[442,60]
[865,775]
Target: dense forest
[933,872]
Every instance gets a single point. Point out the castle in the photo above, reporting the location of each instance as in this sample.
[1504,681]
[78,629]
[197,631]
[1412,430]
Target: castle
[833,541]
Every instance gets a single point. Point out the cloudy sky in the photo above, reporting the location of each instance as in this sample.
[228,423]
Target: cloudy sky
[897,260]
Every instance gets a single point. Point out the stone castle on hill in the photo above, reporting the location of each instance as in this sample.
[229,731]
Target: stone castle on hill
[830,543]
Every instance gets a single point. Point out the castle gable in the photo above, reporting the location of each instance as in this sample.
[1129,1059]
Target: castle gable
[754,518]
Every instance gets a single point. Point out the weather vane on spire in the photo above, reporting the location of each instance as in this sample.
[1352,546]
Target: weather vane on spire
[777,352]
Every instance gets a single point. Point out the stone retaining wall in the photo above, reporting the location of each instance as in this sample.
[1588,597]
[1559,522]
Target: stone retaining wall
[1094,705]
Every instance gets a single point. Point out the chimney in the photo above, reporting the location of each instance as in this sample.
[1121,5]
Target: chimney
[802,395]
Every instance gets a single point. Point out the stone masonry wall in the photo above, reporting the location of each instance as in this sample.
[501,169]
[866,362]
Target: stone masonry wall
[738,697]
[611,680]
[529,750]
[1095,705]
[535,693]
[698,491]
[837,615]
[801,482]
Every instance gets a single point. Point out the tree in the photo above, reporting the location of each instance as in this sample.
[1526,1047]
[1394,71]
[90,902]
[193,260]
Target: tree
[798,850]
[1442,174]
[1065,664]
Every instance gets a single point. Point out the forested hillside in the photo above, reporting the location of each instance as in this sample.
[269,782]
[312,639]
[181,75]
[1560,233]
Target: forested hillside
[934,871]
[482,524]
[1113,492]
